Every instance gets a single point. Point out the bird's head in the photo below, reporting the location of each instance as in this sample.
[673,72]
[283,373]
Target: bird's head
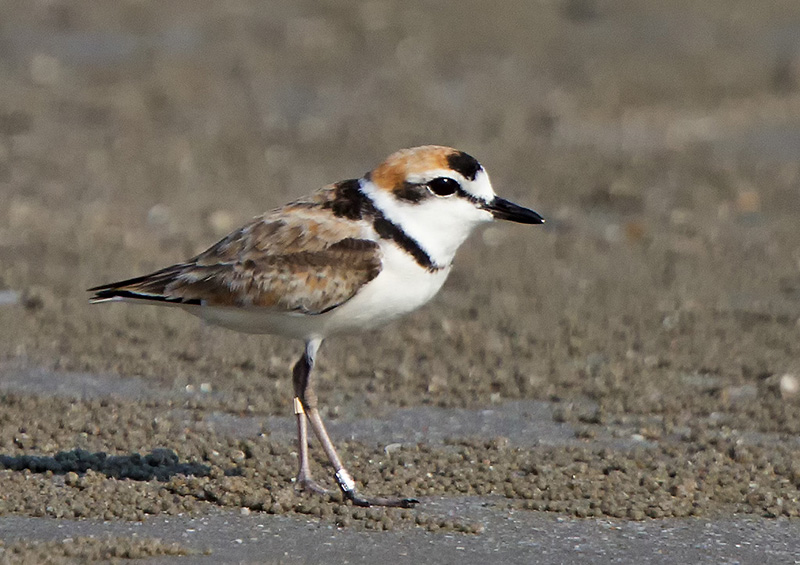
[438,195]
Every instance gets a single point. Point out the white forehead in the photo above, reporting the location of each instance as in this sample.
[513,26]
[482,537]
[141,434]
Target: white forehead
[480,187]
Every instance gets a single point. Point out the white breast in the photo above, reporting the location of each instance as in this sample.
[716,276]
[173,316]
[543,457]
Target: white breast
[401,287]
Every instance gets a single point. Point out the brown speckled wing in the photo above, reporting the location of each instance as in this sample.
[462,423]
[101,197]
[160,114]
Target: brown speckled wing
[300,258]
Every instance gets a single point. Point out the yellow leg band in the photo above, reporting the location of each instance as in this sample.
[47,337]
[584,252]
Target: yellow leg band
[298,406]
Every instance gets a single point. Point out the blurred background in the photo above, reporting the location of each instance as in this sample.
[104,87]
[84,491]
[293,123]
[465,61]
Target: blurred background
[660,139]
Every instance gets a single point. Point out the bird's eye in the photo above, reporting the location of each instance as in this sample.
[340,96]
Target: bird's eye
[443,186]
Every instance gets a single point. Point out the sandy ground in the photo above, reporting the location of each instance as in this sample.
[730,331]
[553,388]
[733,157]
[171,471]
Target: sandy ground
[632,366]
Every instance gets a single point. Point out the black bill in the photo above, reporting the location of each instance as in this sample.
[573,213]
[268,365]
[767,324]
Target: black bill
[504,210]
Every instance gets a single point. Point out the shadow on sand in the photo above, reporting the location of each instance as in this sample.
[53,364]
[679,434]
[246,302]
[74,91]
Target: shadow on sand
[160,464]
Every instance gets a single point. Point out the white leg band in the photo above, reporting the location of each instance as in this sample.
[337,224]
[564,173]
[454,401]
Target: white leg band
[298,406]
[345,481]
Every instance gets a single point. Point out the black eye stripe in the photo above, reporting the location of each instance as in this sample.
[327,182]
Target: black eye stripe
[410,192]
[444,186]
[467,196]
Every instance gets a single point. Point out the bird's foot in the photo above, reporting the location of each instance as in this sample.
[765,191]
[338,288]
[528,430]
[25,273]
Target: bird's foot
[348,488]
[358,500]
[310,485]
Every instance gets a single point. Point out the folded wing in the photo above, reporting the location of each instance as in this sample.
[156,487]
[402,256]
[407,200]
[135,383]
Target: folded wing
[293,263]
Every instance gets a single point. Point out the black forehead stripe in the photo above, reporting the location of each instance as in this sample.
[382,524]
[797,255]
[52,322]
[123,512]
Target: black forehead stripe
[465,164]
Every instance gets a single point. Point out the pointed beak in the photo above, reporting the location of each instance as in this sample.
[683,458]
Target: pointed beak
[504,210]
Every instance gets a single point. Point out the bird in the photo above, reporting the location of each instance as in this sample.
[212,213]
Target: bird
[350,257]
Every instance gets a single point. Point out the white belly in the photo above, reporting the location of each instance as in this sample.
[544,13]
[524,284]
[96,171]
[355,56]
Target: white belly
[401,287]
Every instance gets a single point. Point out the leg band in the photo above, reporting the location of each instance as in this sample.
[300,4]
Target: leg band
[346,482]
[298,406]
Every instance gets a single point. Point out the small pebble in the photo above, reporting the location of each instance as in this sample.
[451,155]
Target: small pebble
[789,385]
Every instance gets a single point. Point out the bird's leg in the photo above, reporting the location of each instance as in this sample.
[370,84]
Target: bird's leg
[306,401]
[343,478]
[300,376]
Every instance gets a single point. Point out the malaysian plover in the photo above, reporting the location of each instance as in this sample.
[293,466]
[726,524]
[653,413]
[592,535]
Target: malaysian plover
[352,256]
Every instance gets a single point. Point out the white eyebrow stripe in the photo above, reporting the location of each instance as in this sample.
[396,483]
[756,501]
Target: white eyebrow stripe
[426,176]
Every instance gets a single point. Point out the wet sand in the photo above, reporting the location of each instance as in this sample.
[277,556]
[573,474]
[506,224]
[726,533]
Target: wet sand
[626,375]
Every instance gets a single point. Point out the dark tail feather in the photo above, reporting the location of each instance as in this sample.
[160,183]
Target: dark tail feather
[148,287]
[112,294]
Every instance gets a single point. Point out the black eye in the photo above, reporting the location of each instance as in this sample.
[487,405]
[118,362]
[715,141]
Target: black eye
[443,186]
